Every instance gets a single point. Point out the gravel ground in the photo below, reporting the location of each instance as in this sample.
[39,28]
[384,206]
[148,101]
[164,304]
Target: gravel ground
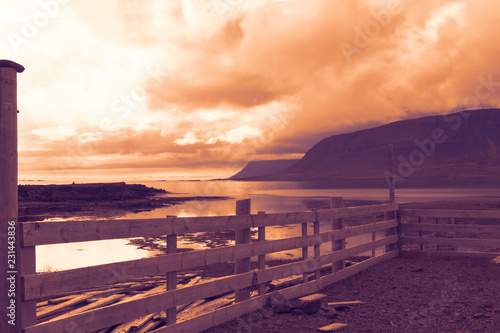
[402,295]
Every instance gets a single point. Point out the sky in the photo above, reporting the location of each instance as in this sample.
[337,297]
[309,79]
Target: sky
[188,89]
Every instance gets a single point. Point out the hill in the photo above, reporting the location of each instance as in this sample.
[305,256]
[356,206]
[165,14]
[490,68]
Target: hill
[261,168]
[459,149]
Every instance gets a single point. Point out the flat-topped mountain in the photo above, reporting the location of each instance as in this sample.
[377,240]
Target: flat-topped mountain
[458,149]
[261,168]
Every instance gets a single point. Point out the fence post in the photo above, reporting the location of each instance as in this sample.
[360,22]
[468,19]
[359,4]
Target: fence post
[392,195]
[305,254]
[16,261]
[242,236]
[338,202]
[171,276]
[374,234]
[262,257]
[392,198]
[317,273]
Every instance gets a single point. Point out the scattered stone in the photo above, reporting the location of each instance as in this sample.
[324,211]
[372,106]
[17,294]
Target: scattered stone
[298,312]
[496,260]
[328,312]
[332,327]
[310,304]
[279,303]
[400,267]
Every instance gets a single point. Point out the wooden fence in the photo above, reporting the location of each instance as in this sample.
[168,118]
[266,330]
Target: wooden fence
[44,285]
[463,233]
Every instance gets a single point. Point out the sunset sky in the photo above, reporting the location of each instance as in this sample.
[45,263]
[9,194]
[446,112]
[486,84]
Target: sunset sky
[196,88]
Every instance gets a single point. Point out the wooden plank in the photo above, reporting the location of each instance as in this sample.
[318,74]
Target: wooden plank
[332,327]
[42,233]
[471,242]
[348,303]
[445,213]
[94,305]
[452,254]
[48,284]
[128,326]
[462,228]
[130,310]
[217,317]
[205,307]
[56,308]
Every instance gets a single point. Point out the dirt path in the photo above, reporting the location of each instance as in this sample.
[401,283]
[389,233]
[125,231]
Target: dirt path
[401,295]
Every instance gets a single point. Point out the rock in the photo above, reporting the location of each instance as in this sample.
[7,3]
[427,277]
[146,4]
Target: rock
[478,315]
[279,303]
[298,312]
[328,312]
[418,270]
[309,304]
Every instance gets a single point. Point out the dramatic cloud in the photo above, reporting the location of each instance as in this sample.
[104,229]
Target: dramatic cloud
[141,87]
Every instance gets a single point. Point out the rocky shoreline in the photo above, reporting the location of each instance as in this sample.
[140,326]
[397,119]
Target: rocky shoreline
[99,200]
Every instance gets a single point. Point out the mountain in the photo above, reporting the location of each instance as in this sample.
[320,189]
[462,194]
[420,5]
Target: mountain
[458,149]
[261,168]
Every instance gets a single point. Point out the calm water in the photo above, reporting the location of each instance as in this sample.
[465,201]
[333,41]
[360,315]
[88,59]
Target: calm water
[271,197]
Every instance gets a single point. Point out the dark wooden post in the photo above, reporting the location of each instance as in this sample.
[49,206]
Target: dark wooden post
[305,254]
[338,202]
[374,234]
[392,195]
[16,261]
[392,198]
[171,276]
[242,236]
[317,273]
[262,257]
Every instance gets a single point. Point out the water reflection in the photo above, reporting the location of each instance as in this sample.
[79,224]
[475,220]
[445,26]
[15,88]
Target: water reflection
[271,197]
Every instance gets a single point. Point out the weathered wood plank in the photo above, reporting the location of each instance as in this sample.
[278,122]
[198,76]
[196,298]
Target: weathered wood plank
[56,308]
[42,233]
[451,241]
[100,303]
[335,326]
[444,213]
[463,228]
[217,317]
[128,310]
[452,254]
[47,284]
[348,303]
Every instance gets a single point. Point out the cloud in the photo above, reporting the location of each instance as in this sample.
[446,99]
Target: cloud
[242,80]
